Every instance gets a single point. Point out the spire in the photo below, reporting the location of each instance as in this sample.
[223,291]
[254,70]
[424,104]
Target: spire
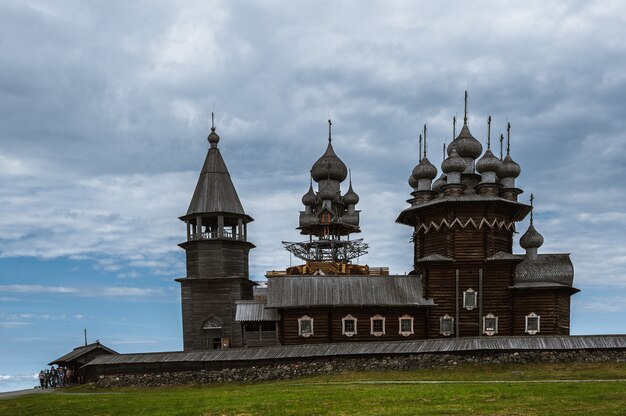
[454,127]
[330,131]
[424,141]
[350,176]
[444,151]
[532,239]
[213,137]
[532,198]
[501,141]
[420,141]
[465,117]
[508,139]
[489,133]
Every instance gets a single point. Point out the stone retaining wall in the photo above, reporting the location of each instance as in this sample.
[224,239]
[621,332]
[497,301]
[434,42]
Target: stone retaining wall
[277,370]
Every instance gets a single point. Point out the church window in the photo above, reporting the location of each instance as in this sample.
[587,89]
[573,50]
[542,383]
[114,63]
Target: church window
[446,325]
[348,324]
[490,324]
[377,325]
[213,322]
[406,325]
[305,326]
[532,323]
[470,297]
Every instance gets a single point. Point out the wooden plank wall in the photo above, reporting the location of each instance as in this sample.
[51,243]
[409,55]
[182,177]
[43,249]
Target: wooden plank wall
[440,285]
[217,258]
[552,305]
[202,298]
[325,318]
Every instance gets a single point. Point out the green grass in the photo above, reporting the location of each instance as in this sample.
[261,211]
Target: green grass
[360,393]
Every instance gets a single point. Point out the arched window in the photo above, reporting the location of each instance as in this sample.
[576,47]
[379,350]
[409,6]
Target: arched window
[212,332]
[212,322]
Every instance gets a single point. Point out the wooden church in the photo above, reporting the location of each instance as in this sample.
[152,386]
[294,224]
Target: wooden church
[465,282]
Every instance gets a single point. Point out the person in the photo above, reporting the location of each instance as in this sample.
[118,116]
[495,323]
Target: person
[41,378]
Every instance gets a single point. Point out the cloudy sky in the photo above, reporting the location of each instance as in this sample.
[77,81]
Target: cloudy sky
[105,109]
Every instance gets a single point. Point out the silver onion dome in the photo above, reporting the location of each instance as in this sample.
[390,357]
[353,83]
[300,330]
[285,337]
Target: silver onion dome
[509,168]
[454,163]
[488,163]
[308,199]
[424,170]
[531,238]
[351,197]
[329,166]
[465,144]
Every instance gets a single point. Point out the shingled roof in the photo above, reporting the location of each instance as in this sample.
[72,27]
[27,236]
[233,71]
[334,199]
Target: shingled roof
[215,192]
[80,351]
[546,268]
[303,291]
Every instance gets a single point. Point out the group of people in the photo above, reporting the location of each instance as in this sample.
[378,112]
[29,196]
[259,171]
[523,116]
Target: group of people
[55,377]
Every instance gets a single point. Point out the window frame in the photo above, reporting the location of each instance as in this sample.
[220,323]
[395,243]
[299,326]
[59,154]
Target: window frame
[446,318]
[300,321]
[343,325]
[409,318]
[466,295]
[377,318]
[493,331]
[528,317]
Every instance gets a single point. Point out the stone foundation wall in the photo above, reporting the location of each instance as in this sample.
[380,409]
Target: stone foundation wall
[278,370]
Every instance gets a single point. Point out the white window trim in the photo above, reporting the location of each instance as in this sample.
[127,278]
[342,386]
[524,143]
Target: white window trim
[441,331]
[465,295]
[400,331]
[343,325]
[489,332]
[305,318]
[533,332]
[375,318]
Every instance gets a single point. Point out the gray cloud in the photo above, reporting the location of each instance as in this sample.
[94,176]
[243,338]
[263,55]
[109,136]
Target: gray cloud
[104,110]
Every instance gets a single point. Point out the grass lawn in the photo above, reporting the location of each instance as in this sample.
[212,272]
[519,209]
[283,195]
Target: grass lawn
[468,390]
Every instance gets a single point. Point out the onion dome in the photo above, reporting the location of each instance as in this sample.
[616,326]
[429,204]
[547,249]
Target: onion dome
[351,197]
[441,181]
[213,138]
[413,182]
[488,163]
[454,163]
[509,168]
[466,145]
[424,170]
[308,199]
[329,166]
[531,238]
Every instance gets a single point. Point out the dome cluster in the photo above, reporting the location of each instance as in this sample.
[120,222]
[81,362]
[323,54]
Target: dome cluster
[464,161]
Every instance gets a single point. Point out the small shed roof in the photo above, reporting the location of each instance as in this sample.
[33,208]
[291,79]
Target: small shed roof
[254,311]
[303,291]
[546,268]
[80,351]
